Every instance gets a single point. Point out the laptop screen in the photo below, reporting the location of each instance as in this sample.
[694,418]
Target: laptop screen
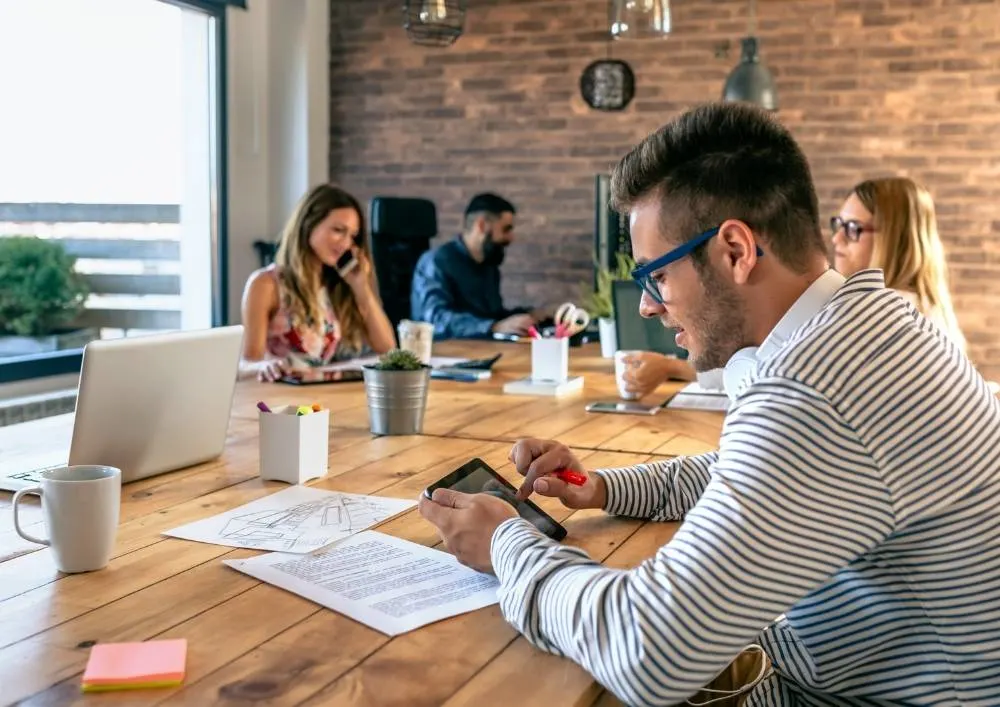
[636,333]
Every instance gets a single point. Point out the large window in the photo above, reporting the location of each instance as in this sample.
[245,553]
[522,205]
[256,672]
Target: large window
[112,143]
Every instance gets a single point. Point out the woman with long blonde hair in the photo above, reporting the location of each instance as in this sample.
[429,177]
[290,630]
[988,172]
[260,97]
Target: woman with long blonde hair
[891,224]
[308,309]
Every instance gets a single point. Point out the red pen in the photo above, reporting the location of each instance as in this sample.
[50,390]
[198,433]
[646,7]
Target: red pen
[571,477]
[534,333]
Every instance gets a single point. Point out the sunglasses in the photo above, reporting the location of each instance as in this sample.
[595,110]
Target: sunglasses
[643,275]
[852,229]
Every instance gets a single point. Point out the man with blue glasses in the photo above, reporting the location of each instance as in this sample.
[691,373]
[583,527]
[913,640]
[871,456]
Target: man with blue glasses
[848,527]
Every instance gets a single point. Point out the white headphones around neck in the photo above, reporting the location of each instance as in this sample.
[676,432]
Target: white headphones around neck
[763,673]
[738,370]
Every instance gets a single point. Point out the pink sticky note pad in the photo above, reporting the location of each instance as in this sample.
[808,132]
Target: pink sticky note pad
[143,664]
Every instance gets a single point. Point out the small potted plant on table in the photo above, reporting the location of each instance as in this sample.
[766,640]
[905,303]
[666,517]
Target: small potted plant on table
[600,303]
[396,388]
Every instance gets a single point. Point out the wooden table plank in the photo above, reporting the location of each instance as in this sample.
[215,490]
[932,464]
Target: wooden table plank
[34,664]
[241,628]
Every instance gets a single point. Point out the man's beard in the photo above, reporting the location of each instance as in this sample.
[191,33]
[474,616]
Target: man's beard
[720,324]
[493,252]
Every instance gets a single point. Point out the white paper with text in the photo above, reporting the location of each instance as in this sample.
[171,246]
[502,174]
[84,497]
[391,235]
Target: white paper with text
[695,397]
[387,583]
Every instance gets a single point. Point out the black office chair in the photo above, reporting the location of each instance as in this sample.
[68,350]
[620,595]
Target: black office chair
[265,251]
[401,230]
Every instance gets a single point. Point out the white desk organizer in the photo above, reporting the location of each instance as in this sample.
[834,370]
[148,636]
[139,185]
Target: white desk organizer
[550,360]
[294,448]
[549,370]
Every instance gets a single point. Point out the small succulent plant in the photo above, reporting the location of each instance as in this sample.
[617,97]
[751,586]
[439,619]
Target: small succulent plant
[399,360]
[599,302]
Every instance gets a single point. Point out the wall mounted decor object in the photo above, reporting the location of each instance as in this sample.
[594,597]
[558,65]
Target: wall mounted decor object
[607,84]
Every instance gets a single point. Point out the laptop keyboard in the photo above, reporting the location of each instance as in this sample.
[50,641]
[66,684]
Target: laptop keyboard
[34,476]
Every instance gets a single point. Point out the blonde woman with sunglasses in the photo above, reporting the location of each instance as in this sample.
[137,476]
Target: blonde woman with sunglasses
[890,224]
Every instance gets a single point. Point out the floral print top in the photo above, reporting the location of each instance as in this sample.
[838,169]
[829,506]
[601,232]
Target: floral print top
[304,346]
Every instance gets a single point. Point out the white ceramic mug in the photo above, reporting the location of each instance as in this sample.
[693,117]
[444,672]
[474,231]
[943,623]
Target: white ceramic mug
[417,337]
[81,506]
[623,366]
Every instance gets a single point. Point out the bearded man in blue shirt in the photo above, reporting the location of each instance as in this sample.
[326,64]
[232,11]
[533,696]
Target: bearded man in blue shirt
[456,287]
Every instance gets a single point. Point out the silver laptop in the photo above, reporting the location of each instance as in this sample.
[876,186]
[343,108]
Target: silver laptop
[633,331]
[146,405]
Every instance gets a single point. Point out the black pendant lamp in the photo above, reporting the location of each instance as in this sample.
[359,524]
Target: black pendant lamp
[750,81]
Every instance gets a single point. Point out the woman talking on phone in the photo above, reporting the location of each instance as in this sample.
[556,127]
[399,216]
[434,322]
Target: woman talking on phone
[318,302]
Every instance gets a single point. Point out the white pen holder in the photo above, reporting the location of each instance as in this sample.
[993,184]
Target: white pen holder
[294,448]
[550,359]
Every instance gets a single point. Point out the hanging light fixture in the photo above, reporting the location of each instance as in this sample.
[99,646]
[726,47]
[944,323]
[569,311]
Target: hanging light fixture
[436,23]
[640,19]
[750,81]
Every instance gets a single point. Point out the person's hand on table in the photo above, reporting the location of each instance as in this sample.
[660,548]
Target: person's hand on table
[466,523]
[543,314]
[538,459]
[515,324]
[271,370]
[645,370]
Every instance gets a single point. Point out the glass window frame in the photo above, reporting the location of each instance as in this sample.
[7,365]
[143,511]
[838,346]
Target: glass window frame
[20,368]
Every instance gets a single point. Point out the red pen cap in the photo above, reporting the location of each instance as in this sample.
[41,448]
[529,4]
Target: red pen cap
[571,477]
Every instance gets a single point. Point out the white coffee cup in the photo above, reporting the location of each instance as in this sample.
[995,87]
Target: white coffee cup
[417,337]
[81,507]
[622,366]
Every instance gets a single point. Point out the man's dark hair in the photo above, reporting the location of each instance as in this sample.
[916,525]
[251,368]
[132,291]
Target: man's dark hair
[486,203]
[725,161]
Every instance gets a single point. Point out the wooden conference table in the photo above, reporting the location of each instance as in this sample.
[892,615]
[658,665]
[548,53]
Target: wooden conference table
[251,643]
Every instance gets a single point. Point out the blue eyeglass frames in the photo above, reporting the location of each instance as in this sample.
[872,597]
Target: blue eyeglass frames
[643,275]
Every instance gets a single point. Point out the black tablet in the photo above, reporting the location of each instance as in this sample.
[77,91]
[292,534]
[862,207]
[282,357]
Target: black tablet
[477,477]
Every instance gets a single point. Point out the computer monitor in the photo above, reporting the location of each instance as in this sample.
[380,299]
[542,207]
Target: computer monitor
[146,405]
[634,332]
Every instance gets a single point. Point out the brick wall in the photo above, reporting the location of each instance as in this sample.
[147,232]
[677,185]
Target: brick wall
[869,87]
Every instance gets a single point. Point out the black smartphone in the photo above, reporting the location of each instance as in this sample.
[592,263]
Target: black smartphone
[476,476]
[320,376]
[481,364]
[627,408]
[346,263]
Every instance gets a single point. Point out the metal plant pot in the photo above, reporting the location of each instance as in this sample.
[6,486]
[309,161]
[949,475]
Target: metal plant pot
[396,400]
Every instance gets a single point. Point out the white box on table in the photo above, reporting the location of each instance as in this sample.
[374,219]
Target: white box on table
[294,448]
[550,359]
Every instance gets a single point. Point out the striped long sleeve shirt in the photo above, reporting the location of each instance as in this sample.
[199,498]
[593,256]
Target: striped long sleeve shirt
[855,496]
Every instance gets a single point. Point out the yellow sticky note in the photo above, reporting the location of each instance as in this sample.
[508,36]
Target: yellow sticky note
[125,666]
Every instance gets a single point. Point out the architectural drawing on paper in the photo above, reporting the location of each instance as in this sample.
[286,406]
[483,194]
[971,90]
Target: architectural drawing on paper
[313,523]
